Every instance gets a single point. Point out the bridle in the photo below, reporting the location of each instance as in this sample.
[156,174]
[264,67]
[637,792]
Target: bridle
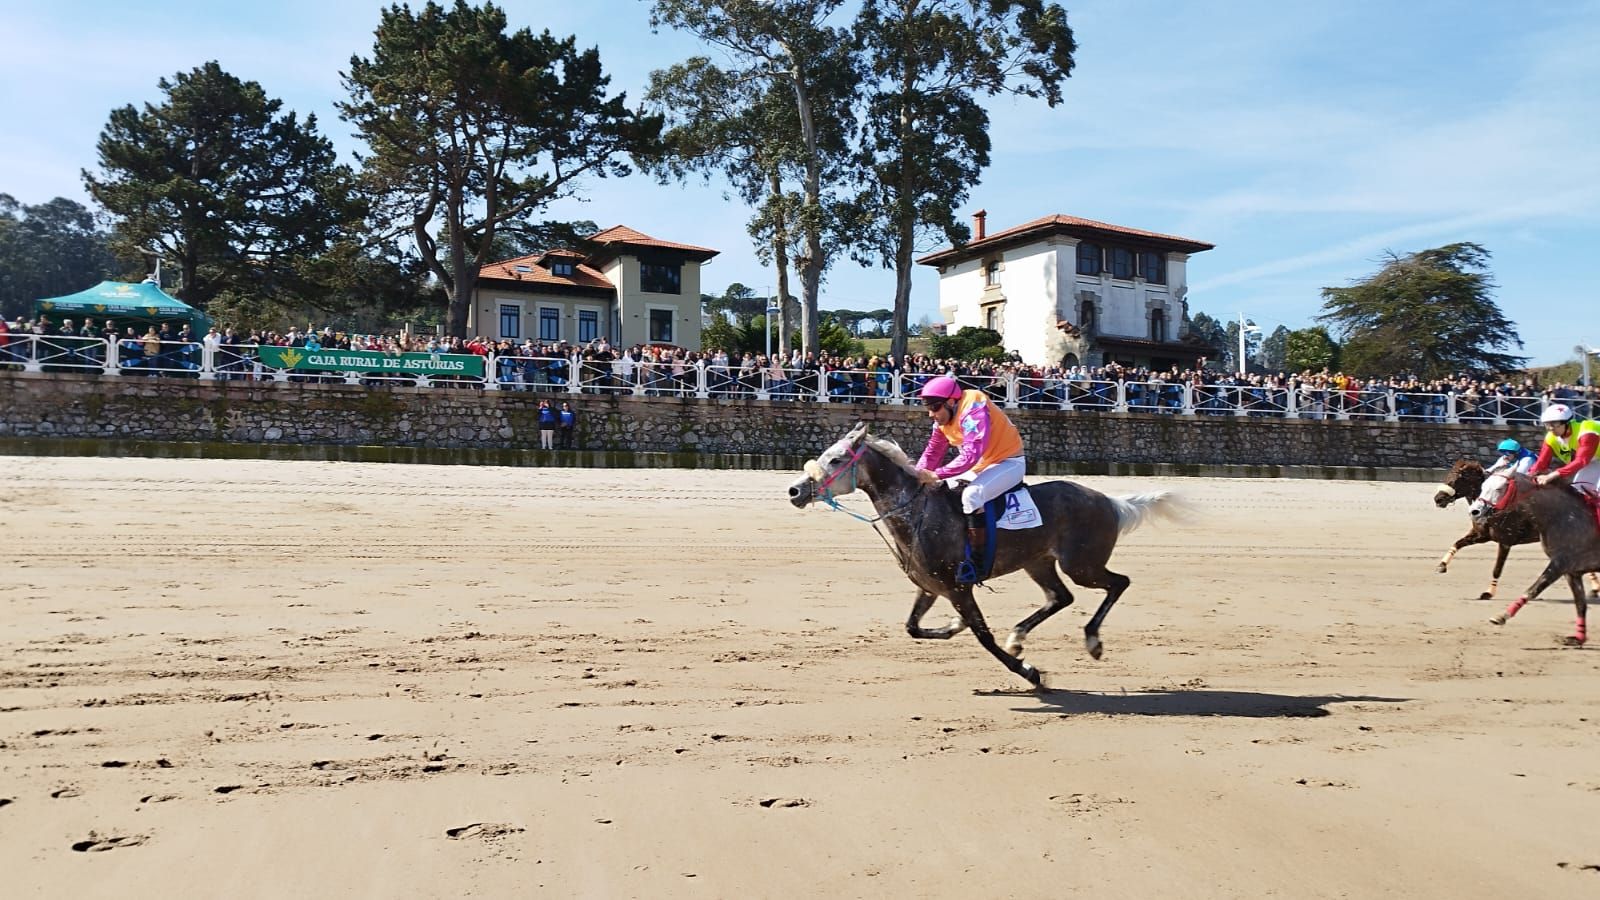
[825,487]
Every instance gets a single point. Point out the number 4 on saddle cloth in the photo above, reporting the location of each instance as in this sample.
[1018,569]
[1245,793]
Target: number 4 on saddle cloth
[1013,511]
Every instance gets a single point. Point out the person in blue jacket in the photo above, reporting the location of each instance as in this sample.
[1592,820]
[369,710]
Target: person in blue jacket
[568,420]
[547,426]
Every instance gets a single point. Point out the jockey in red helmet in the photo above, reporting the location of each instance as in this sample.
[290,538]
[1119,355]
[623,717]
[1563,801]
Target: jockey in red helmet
[987,444]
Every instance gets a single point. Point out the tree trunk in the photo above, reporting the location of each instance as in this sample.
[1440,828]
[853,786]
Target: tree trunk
[811,261]
[461,292]
[463,277]
[900,329]
[780,261]
[905,212]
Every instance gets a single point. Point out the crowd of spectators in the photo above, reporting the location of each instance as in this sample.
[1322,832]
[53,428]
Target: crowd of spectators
[655,369]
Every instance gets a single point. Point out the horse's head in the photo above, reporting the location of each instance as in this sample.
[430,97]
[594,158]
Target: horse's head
[1464,482]
[1498,494]
[833,472]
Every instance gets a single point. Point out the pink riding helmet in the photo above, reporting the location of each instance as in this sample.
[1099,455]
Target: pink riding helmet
[943,388]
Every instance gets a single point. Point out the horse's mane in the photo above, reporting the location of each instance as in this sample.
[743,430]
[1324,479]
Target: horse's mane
[892,452]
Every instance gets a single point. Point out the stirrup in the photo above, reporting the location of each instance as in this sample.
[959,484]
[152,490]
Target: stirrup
[966,572]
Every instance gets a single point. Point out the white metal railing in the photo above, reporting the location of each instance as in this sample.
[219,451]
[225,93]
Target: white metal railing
[55,353]
[136,357]
[539,374]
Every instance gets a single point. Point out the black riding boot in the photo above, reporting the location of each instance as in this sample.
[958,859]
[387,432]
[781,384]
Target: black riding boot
[975,534]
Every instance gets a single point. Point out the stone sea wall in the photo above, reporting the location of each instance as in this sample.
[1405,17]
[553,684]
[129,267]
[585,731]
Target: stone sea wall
[422,423]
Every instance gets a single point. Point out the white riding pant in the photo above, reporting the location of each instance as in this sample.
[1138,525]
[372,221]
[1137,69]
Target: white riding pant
[1587,479]
[992,482]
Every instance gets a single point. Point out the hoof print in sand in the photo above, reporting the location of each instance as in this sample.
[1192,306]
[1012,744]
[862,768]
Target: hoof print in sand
[97,844]
[487,831]
[784,802]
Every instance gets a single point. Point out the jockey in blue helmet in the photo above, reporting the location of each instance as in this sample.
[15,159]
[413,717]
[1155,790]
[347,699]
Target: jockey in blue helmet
[1513,458]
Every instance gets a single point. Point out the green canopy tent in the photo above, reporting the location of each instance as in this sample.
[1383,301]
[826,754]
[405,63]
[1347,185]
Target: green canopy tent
[141,304]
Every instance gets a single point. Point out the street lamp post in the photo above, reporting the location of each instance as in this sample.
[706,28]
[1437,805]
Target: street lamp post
[1584,352]
[1245,328]
[774,305]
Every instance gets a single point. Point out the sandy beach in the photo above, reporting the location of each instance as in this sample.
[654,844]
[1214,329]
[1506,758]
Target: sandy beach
[269,679]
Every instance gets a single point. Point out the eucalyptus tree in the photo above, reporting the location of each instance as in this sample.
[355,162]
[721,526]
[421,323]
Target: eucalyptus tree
[925,141]
[472,128]
[718,123]
[1431,313]
[217,179]
[786,46]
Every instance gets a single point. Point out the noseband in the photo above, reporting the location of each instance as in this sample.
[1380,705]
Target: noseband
[825,484]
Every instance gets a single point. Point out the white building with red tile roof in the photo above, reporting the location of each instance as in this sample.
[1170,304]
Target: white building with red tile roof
[1061,289]
[628,288]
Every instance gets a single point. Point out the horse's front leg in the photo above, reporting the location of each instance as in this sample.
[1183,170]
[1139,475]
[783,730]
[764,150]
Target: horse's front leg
[967,606]
[1472,538]
[919,608]
[1499,566]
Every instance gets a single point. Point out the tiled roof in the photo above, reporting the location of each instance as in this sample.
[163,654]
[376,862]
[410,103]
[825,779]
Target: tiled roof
[528,269]
[1064,224]
[622,234]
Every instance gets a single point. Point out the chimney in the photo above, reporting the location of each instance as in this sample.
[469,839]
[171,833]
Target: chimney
[977,224]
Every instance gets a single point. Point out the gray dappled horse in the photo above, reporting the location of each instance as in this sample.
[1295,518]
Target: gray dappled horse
[1567,531]
[1464,481]
[927,534]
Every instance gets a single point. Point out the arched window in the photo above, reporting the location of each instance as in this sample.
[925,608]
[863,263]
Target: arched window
[1086,317]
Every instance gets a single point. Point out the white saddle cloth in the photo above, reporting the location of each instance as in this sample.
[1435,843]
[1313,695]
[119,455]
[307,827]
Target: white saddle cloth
[1020,512]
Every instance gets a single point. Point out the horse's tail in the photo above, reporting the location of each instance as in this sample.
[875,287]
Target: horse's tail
[1134,509]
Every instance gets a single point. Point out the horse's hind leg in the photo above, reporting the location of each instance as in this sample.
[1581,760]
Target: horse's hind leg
[1580,603]
[919,608]
[1499,566]
[1057,598]
[1545,579]
[1114,585]
[967,606]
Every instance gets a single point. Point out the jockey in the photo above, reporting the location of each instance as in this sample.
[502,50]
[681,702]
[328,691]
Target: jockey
[1513,458]
[1572,441]
[987,445]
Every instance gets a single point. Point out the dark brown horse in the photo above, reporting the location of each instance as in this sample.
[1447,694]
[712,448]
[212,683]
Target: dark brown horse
[1507,529]
[1567,530]
[927,534]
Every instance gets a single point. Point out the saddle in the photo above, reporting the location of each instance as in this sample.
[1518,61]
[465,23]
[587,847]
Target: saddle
[975,571]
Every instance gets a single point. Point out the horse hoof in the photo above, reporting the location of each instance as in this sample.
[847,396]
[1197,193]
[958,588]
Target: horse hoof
[1092,642]
[1034,676]
[1497,619]
[1013,645]
[1486,595]
[1572,640]
[1442,568]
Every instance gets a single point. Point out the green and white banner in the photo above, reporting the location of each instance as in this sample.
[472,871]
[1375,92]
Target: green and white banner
[299,359]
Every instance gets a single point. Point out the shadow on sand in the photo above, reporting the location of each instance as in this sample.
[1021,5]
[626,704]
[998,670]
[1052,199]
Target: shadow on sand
[1233,704]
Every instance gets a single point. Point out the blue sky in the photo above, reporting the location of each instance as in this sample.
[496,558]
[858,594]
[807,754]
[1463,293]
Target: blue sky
[1304,140]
